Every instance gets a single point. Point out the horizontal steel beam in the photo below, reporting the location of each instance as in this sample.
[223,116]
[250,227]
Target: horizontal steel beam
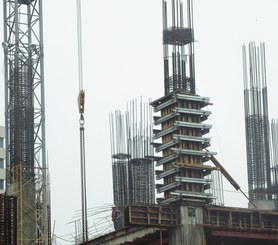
[193,180]
[193,194]
[194,152]
[166,159]
[165,132]
[165,104]
[192,125]
[192,111]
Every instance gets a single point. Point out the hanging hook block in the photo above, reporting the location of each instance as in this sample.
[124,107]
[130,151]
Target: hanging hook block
[81,101]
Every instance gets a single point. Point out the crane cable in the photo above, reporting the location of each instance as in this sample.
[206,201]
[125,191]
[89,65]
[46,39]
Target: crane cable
[79,35]
[83,183]
[81,104]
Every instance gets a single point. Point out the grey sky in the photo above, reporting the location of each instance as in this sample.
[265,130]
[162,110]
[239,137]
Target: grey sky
[122,45]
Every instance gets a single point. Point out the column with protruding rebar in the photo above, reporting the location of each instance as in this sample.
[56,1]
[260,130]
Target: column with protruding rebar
[182,115]
[256,123]
[180,128]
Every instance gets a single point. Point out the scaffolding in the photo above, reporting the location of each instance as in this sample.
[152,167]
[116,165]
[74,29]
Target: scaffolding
[256,123]
[132,152]
[25,119]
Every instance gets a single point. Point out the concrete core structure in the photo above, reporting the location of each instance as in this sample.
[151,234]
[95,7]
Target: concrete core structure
[263,205]
[190,230]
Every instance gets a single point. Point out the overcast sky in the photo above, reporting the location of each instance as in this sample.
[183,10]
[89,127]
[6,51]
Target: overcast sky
[122,45]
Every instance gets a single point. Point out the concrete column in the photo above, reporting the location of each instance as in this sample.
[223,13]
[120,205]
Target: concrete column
[190,230]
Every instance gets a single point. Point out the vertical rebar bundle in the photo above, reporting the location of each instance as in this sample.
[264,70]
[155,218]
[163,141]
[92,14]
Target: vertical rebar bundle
[274,160]
[178,47]
[133,170]
[119,154]
[256,122]
[22,117]
[139,148]
[217,188]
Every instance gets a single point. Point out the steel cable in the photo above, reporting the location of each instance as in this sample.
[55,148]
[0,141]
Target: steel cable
[83,181]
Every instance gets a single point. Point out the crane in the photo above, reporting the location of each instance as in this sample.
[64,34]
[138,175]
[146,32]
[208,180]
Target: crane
[26,167]
[81,107]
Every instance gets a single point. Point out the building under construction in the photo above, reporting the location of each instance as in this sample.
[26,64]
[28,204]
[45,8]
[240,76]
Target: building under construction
[185,213]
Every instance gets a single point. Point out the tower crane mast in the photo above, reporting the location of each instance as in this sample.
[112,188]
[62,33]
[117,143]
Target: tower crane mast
[25,119]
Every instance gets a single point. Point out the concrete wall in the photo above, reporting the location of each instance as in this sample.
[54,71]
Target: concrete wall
[190,230]
[263,205]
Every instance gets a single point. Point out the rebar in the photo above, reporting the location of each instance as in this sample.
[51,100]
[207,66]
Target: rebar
[131,149]
[256,122]
[274,160]
[178,36]
[8,219]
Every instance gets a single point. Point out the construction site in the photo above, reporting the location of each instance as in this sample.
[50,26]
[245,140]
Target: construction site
[167,183]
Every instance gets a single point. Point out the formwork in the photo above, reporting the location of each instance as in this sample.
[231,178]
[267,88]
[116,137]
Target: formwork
[151,215]
[182,145]
[154,224]
[180,129]
[225,226]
